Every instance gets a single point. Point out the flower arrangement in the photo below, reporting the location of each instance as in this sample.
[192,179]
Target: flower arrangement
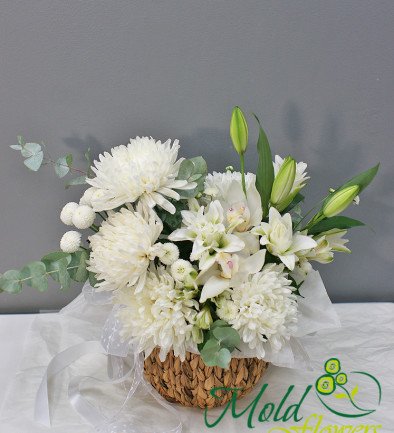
[194,262]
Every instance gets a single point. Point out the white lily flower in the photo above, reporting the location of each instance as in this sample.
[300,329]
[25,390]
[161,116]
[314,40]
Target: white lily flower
[218,280]
[242,212]
[277,235]
[206,229]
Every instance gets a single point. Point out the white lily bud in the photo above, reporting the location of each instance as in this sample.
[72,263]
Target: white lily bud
[239,131]
[283,183]
[340,200]
[204,318]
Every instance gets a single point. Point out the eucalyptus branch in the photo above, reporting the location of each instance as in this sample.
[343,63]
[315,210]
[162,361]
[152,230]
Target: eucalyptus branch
[69,268]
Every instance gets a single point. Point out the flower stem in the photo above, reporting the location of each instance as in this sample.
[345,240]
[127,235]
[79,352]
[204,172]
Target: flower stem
[242,161]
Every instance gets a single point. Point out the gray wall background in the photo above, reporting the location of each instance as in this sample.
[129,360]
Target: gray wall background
[81,73]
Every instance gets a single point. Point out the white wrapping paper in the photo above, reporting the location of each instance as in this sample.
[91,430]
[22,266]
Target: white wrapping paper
[366,341]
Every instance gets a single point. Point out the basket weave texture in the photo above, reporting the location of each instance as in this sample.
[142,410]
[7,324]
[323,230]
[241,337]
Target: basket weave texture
[189,382]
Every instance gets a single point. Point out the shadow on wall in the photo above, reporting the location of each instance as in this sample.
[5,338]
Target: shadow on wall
[80,145]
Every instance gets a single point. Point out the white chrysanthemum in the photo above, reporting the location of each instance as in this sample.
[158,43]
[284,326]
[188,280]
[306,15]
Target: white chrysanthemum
[242,211]
[168,254]
[122,250]
[158,316]
[87,196]
[262,309]
[83,217]
[70,241]
[144,170]
[66,215]
[300,176]
[183,272]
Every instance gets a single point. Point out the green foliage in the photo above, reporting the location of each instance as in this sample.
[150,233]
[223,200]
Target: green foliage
[34,274]
[80,180]
[335,222]
[56,265]
[193,170]
[78,271]
[33,154]
[10,281]
[296,201]
[362,180]
[60,266]
[219,341]
[35,157]
[170,221]
[265,169]
[63,165]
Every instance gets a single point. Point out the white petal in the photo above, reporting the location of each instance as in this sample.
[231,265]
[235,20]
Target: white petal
[169,193]
[253,263]
[164,203]
[289,260]
[301,242]
[180,235]
[214,287]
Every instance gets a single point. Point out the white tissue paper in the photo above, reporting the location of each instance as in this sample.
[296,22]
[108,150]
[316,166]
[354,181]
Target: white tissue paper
[365,343]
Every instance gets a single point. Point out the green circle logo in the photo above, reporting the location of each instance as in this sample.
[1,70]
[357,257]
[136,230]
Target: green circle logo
[332,366]
[325,384]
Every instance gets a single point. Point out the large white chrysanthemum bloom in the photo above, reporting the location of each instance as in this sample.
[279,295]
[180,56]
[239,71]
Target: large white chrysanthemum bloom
[144,170]
[278,237]
[300,176]
[262,309]
[242,212]
[122,250]
[158,316]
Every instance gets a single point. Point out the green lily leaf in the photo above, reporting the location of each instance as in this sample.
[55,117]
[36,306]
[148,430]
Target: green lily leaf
[265,169]
[335,222]
[35,275]
[63,165]
[363,179]
[10,281]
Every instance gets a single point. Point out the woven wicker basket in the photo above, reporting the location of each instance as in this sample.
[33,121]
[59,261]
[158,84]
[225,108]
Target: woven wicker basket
[190,381]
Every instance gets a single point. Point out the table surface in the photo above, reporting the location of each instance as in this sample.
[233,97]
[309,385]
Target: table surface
[380,347]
